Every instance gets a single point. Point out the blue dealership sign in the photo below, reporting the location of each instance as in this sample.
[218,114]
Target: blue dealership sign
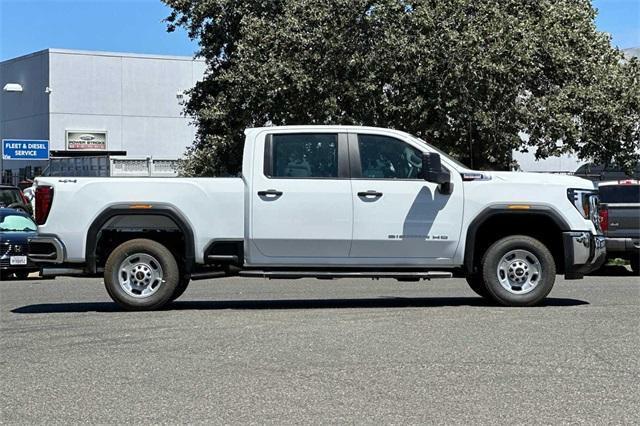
[25,149]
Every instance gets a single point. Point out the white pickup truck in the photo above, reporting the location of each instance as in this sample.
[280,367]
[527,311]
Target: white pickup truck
[323,202]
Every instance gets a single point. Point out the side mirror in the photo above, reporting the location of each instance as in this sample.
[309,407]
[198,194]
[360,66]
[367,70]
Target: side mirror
[432,168]
[432,172]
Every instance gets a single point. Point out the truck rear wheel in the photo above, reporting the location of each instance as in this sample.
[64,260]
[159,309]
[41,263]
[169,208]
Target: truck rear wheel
[181,287]
[518,271]
[141,274]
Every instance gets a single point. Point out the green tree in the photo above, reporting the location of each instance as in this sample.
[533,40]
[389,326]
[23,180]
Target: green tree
[473,77]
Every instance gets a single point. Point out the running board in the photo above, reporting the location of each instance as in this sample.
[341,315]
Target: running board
[207,275]
[346,274]
[222,258]
[54,272]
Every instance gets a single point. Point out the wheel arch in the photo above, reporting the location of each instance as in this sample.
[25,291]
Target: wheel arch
[145,220]
[486,220]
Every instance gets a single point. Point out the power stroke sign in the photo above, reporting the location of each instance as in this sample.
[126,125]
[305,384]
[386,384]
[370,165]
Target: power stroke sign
[25,149]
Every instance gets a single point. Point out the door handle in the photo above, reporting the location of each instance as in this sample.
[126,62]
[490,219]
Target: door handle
[269,192]
[370,194]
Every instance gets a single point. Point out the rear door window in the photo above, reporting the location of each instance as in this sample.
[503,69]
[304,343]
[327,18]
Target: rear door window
[303,156]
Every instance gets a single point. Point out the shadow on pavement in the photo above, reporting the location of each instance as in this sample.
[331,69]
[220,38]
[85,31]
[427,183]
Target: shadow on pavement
[388,302]
[613,271]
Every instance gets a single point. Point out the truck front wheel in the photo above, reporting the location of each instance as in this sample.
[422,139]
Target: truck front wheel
[518,271]
[141,274]
[476,283]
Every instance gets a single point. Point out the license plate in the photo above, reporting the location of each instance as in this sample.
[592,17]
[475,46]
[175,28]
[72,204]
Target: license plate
[18,260]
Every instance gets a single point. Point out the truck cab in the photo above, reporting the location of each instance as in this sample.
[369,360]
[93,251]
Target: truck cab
[348,199]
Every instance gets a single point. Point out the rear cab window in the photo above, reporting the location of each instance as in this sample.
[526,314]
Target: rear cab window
[619,194]
[9,196]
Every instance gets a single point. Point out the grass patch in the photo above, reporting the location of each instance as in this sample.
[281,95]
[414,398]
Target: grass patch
[617,262]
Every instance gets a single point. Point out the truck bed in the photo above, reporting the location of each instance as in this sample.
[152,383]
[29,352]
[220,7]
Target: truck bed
[77,202]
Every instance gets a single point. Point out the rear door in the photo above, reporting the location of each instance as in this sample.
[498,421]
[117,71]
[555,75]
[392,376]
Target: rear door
[301,208]
[400,219]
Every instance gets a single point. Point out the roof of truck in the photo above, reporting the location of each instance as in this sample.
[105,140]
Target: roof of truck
[324,126]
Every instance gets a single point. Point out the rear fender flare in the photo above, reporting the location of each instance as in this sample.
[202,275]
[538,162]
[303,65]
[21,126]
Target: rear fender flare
[158,209]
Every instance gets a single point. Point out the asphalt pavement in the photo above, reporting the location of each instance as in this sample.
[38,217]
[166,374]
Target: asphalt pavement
[306,351]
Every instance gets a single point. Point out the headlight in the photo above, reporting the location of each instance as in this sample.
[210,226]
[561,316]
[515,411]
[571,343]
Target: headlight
[587,203]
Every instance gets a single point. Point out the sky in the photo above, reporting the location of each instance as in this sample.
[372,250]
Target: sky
[136,26]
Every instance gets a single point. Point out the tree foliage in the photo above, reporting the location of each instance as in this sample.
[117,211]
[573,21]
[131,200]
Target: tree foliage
[477,78]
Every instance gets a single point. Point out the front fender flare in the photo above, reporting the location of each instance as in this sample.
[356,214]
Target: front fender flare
[501,209]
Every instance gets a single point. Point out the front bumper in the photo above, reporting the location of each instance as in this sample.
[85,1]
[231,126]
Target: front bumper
[11,247]
[583,253]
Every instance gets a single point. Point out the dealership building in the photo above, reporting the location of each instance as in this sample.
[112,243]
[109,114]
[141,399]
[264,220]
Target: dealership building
[95,104]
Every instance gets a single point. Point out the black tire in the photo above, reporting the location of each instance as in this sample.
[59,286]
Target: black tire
[476,283]
[166,286]
[181,287]
[635,263]
[544,279]
[22,275]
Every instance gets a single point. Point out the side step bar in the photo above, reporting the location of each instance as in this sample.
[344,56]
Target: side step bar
[207,275]
[69,272]
[346,274]
[222,258]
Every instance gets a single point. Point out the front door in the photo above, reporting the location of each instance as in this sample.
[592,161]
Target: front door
[301,209]
[400,219]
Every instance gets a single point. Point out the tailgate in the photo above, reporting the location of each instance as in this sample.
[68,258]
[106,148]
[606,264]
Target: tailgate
[624,220]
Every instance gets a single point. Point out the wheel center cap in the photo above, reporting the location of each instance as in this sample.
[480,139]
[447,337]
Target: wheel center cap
[519,272]
[139,275]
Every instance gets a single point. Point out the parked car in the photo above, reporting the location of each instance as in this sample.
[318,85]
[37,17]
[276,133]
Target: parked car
[16,228]
[323,202]
[620,219]
[600,172]
[13,198]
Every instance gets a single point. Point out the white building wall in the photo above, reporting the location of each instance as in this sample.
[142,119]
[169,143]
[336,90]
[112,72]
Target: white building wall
[134,98]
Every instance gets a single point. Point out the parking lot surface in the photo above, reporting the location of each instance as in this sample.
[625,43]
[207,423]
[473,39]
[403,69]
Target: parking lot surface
[358,351]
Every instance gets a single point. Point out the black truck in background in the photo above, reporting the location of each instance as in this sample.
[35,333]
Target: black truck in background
[620,219]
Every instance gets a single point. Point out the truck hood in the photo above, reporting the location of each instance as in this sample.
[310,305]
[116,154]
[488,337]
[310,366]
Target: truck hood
[542,179]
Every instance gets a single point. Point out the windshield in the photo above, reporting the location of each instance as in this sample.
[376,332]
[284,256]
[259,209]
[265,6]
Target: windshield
[16,223]
[442,154]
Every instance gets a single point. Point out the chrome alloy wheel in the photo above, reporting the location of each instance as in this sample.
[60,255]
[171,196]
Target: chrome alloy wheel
[519,271]
[140,275]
